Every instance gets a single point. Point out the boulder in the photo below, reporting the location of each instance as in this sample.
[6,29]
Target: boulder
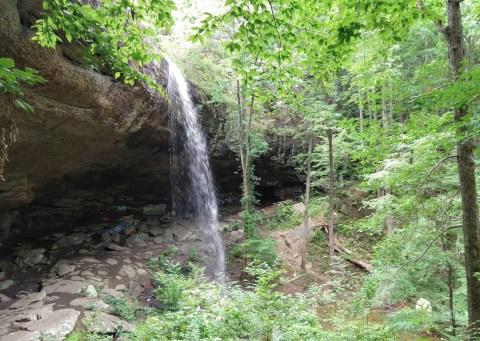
[57,324]
[63,286]
[62,268]
[103,323]
[89,292]
[89,303]
[137,239]
[156,230]
[23,336]
[30,257]
[4,298]
[299,208]
[111,261]
[181,233]
[115,247]
[128,270]
[6,284]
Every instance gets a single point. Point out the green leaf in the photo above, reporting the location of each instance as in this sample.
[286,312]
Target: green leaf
[7,63]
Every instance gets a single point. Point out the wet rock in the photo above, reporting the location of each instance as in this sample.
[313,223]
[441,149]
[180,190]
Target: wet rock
[235,236]
[2,275]
[181,233]
[299,208]
[137,290]
[90,292]
[64,285]
[89,303]
[137,239]
[102,323]
[23,336]
[57,324]
[62,268]
[115,238]
[30,299]
[4,298]
[88,274]
[30,257]
[128,270]
[91,260]
[121,287]
[129,230]
[6,284]
[142,273]
[35,314]
[156,230]
[111,261]
[168,236]
[111,292]
[71,240]
[158,240]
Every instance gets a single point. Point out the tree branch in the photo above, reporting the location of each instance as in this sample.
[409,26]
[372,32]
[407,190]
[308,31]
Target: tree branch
[434,240]
[438,23]
[435,168]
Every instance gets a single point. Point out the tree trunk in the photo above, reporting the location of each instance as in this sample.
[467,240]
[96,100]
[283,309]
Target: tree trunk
[331,195]
[384,108]
[241,139]
[453,33]
[390,221]
[360,108]
[391,102]
[307,203]
[244,143]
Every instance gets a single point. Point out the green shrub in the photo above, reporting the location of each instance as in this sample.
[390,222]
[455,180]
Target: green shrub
[257,250]
[126,309]
[284,217]
[208,311]
[171,284]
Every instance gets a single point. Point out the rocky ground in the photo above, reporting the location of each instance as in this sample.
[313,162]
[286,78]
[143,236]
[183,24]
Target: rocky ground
[58,283]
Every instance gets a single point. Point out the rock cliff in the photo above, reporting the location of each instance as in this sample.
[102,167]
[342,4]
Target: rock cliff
[94,144]
[90,141]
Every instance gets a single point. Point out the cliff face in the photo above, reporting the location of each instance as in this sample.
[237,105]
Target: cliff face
[94,144]
[90,140]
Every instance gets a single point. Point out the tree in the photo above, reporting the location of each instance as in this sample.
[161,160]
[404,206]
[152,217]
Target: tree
[454,35]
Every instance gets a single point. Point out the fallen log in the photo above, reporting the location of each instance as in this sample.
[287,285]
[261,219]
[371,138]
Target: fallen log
[346,253]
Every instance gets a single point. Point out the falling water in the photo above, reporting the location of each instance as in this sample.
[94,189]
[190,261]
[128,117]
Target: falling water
[192,184]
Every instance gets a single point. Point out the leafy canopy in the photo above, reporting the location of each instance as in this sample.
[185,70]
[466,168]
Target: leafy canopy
[115,34]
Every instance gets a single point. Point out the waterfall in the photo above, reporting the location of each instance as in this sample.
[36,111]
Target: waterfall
[192,183]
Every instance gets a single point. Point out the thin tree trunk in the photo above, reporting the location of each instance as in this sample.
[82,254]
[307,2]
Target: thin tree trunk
[241,139]
[371,104]
[331,195]
[360,108]
[370,111]
[391,102]
[453,33]
[390,221]
[451,291]
[384,108]
[306,203]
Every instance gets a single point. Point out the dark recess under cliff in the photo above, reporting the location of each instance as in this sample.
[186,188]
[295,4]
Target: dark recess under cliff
[94,143]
